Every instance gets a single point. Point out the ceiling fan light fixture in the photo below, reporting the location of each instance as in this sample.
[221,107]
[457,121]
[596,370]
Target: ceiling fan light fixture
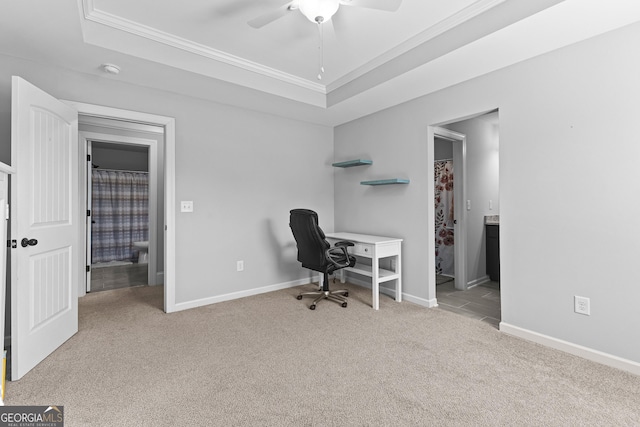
[319,11]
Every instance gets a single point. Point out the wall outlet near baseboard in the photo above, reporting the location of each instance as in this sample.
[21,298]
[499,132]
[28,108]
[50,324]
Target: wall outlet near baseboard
[582,305]
[186,206]
[239,265]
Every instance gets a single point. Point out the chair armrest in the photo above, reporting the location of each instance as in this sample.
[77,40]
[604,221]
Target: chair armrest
[338,256]
[344,243]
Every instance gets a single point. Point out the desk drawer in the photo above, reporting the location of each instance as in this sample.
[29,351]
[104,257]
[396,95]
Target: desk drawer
[363,249]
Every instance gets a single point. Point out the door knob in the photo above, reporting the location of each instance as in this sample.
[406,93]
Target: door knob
[28,242]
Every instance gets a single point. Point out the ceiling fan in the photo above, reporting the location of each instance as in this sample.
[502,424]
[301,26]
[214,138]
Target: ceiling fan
[319,11]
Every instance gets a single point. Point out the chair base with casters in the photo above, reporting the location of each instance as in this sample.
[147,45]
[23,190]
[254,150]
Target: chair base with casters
[339,296]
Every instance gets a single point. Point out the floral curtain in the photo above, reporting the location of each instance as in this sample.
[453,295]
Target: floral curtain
[444,216]
[119,213]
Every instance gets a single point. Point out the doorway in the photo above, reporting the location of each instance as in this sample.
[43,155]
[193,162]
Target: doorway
[166,188]
[449,200]
[476,205]
[444,178]
[58,200]
[122,243]
[118,221]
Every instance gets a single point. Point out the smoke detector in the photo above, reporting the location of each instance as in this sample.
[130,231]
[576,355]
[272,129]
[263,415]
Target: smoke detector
[110,68]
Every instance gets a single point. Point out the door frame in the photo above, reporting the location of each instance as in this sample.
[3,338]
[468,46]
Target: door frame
[459,141]
[169,183]
[85,138]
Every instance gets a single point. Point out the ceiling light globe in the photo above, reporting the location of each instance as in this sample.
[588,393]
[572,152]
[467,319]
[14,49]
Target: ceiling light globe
[319,10]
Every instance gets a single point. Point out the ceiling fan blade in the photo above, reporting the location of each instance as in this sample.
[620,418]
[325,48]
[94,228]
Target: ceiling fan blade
[386,5]
[339,24]
[328,30]
[269,17]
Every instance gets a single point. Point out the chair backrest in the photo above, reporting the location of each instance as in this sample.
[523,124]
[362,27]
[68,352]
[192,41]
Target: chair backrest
[310,239]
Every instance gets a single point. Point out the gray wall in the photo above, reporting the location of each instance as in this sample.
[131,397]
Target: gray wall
[243,170]
[569,221]
[482,186]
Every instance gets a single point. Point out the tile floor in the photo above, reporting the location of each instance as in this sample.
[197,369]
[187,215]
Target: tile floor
[480,302]
[121,276]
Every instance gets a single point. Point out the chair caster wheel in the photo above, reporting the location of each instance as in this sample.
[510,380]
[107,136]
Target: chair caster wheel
[312,307]
[346,294]
[344,304]
[299,297]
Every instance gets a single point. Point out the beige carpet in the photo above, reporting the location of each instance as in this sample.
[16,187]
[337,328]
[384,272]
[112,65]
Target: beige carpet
[268,360]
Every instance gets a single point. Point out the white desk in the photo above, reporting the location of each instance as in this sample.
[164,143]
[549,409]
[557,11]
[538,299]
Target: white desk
[374,248]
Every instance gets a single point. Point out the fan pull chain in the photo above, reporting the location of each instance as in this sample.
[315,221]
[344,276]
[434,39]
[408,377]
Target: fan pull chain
[320,31]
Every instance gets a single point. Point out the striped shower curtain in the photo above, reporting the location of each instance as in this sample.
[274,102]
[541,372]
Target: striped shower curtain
[119,213]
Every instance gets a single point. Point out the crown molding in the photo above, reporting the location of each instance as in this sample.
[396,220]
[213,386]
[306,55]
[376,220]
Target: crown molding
[118,23]
[430,33]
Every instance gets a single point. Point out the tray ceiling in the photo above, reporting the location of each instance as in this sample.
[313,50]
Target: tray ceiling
[373,59]
[355,42]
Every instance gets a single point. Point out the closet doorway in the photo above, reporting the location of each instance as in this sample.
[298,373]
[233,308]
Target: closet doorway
[122,198]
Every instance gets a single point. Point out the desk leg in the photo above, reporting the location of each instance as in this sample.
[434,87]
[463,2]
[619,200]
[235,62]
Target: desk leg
[375,284]
[399,279]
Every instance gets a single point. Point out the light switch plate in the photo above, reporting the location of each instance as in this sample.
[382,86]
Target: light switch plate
[186,206]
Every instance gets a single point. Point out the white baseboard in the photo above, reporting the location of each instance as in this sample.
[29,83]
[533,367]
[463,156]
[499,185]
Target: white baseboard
[429,303]
[575,349]
[240,294]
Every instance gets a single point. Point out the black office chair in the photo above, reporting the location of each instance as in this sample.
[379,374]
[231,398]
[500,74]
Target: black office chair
[316,254]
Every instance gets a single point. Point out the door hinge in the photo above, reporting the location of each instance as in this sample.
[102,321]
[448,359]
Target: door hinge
[88,268]
[7,212]
[88,212]
[88,157]
[12,244]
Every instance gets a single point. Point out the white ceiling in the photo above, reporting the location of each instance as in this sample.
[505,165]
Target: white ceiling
[287,48]
[373,59]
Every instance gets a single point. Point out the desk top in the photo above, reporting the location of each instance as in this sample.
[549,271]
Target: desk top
[362,238]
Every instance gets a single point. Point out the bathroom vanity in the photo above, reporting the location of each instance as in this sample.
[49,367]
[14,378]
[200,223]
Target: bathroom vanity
[492,232]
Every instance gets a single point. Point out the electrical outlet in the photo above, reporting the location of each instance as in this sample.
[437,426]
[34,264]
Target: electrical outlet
[582,305]
[239,265]
[186,206]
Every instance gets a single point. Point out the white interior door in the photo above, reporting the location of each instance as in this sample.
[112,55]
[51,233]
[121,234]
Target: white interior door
[44,223]
[89,218]
[4,193]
